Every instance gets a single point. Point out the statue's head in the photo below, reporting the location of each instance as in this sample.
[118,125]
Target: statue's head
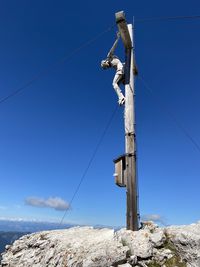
[105,64]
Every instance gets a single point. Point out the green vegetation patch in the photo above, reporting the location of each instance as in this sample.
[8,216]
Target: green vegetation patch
[174,261]
[153,264]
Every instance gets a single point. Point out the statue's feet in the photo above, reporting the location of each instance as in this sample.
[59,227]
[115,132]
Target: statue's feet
[121,101]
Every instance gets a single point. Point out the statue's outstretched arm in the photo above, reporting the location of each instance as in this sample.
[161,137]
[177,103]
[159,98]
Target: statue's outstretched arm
[111,52]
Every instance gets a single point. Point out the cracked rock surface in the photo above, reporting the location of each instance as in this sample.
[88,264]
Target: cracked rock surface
[88,247]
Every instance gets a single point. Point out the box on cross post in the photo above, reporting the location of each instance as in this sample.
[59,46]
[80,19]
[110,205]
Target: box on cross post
[120,171]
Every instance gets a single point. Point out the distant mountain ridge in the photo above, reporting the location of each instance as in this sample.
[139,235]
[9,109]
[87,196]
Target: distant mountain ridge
[30,226]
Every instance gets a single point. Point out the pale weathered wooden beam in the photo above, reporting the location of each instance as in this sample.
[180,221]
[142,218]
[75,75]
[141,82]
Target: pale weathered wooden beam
[126,32]
[123,29]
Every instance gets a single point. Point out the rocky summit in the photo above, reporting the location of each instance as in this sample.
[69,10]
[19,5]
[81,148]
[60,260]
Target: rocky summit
[88,247]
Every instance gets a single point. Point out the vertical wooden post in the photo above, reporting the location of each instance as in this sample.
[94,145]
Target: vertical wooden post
[130,144]
[126,32]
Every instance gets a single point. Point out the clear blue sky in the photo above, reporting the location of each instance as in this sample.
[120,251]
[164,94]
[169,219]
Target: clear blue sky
[49,131]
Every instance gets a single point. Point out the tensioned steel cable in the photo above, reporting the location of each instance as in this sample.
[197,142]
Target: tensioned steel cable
[48,69]
[90,161]
[171,116]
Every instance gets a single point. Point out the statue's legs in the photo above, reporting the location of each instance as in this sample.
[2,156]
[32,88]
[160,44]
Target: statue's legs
[116,81]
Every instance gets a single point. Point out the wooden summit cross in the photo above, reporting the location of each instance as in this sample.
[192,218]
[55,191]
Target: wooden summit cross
[125,166]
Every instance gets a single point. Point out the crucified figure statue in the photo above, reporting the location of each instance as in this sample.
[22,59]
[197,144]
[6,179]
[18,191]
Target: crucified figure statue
[113,61]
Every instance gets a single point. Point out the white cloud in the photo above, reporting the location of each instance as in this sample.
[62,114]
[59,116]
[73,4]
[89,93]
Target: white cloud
[56,203]
[154,217]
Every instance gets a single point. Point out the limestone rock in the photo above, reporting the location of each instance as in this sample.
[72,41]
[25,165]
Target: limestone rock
[187,241]
[138,242]
[89,247]
[80,246]
[124,265]
[158,238]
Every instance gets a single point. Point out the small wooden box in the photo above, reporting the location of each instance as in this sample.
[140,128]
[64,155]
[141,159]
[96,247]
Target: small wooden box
[120,171]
